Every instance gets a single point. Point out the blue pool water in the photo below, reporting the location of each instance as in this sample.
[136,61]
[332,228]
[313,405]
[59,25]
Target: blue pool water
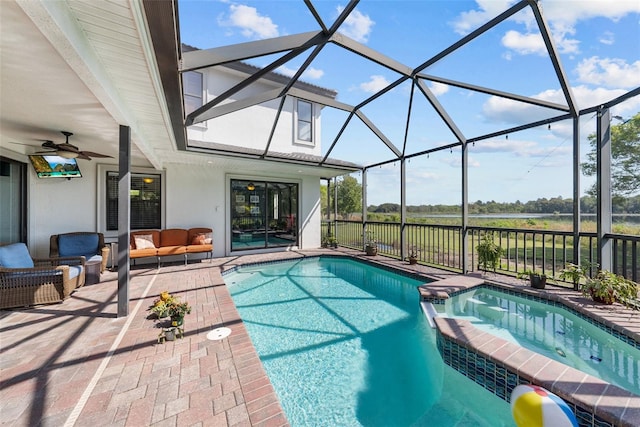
[552,331]
[346,344]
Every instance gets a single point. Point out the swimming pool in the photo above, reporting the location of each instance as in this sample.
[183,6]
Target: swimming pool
[552,331]
[345,343]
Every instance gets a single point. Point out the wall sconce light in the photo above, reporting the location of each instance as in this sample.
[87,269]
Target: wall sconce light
[147,180]
[251,187]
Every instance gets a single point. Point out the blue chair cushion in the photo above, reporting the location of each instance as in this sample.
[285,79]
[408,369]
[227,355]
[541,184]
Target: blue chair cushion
[74,271]
[15,255]
[97,258]
[78,245]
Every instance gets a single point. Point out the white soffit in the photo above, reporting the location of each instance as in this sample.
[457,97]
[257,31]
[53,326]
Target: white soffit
[104,45]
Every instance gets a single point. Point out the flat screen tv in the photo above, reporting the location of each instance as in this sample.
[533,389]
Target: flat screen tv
[55,166]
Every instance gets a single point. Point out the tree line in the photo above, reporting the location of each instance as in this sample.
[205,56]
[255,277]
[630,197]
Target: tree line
[554,205]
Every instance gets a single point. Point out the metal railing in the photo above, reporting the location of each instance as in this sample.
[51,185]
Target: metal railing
[544,251]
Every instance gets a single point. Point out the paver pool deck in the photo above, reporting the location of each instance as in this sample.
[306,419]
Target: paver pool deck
[77,364]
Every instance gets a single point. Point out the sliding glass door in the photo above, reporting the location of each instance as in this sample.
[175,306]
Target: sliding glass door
[263,214]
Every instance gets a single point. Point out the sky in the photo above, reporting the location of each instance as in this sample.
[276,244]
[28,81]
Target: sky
[599,47]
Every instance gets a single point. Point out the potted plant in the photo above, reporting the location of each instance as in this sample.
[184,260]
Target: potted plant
[167,305]
[489,253]
[536,279]
[412,256]
[607,288]
[574,273]
[371,245]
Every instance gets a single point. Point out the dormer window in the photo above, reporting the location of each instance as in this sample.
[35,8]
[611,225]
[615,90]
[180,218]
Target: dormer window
[304,122]
[193,89]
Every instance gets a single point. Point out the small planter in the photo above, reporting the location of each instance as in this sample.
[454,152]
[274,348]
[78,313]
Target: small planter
[608,300]
[413,260]
[538,281]
[371,250]
[177,320]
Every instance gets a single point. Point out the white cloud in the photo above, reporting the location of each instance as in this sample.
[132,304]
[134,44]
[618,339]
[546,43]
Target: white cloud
[609,72]
[375,84]
[607,38]
[502,110]
[438,88]
[487,10]
[519,148]
[532,43]
[309,74]
[524,43]
[251,24]
[313,73]
[571,12]
[357,26]
[561,17]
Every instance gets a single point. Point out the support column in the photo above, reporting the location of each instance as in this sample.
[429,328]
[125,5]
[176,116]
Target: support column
[403,208]
[576,193]
[124,218]
[364,206]
[335,207]
[465,210]
[329,226]
[603,187]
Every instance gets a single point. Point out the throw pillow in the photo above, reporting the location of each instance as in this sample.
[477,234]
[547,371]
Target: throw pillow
[144,241]
[202,239]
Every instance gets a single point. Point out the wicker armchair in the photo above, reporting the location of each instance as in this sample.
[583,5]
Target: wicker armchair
[80,243]
[50,280]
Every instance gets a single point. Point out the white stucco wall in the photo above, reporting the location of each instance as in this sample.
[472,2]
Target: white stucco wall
[252,126]
[194,196]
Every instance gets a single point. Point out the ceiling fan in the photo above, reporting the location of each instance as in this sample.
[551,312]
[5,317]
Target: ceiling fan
[67,150]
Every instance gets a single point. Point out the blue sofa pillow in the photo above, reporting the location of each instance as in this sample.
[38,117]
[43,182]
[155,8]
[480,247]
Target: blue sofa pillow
[78,245]
[15,255]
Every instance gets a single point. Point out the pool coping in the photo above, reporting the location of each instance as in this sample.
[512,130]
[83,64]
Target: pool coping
[594,401]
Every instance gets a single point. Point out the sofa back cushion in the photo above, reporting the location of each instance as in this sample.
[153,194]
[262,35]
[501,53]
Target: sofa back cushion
[174,237]
[155,238]
[15,255]
[200,236]
[78,244]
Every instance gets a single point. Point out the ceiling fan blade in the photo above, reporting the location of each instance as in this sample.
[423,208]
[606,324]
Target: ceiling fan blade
[82,155]
[49,144]
[67,147]
[92,154]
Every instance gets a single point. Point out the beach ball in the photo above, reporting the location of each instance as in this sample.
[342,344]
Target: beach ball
[533,406]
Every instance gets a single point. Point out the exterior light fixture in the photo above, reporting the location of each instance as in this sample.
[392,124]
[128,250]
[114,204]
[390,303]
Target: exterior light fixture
[251,187]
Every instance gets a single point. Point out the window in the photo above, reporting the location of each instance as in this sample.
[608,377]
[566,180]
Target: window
[192,82]
[304,121]
[146,201]
[13,201]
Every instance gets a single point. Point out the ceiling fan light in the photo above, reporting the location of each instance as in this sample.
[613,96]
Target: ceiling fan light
[66,154]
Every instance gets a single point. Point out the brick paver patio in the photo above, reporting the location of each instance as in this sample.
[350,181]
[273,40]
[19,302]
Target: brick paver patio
[76,363]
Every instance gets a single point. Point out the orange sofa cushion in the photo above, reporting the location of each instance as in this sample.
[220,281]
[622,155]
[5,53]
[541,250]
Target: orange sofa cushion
[174,237]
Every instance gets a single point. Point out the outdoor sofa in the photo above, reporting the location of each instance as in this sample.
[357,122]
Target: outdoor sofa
[171,241]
